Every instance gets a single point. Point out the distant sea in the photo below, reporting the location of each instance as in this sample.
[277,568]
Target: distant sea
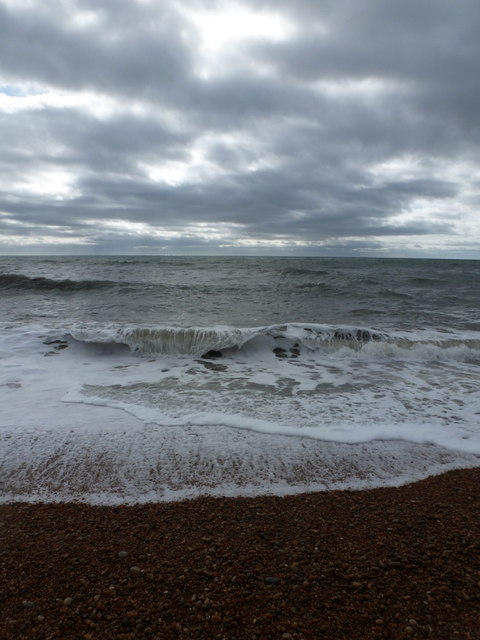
[129,379]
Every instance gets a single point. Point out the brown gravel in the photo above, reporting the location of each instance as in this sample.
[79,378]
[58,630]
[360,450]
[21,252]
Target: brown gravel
[388,563]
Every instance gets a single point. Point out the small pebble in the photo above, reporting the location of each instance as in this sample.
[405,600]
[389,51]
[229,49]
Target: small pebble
[272,580]
[135,570]
[40,618]
[122,554]
[68,601]
[28,604]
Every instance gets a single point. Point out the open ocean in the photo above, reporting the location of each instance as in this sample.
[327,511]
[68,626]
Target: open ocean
[129,379]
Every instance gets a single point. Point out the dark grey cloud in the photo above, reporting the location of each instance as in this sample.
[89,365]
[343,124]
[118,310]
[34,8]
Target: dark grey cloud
[432,49]
[128,50]
[357,131]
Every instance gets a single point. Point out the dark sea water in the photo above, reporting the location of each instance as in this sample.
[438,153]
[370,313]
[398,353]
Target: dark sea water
[146,378]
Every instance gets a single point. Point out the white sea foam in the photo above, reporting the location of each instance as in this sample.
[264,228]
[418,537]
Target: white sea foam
[94,422]
[140,463]
[463,439]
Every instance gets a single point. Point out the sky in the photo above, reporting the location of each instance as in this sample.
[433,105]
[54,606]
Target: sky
[276,127]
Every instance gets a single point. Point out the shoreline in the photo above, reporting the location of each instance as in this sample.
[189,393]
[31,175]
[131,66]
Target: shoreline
[394,562]
[108,467]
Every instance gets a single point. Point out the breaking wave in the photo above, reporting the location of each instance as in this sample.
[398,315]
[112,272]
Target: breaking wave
[285,340]
[199,340]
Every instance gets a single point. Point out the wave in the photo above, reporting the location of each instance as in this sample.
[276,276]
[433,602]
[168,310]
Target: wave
[199,341]
[19,281]
[425,281]
[392,293]
[289,340]
[286,341]
[14,281]
[319,286]
[296,271]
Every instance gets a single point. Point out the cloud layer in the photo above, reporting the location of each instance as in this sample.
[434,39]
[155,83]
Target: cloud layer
[323,128]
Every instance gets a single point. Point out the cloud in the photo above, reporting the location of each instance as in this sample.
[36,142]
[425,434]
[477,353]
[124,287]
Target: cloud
[135,126]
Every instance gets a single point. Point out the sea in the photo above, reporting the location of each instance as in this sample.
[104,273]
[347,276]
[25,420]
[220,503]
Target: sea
[128,379]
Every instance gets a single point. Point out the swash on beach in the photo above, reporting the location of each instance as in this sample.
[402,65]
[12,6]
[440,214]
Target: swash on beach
[128,379]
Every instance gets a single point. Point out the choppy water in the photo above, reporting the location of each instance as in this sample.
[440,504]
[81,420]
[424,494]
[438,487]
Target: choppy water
[146,378]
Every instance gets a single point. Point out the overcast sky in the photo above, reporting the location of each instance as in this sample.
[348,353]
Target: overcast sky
[332,127]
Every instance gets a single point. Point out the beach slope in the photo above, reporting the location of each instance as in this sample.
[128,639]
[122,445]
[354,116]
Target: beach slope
[386,563]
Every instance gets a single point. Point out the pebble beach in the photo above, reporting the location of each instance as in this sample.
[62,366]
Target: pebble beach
[389,563]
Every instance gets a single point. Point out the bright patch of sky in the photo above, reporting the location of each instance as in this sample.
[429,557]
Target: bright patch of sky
[223,31]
